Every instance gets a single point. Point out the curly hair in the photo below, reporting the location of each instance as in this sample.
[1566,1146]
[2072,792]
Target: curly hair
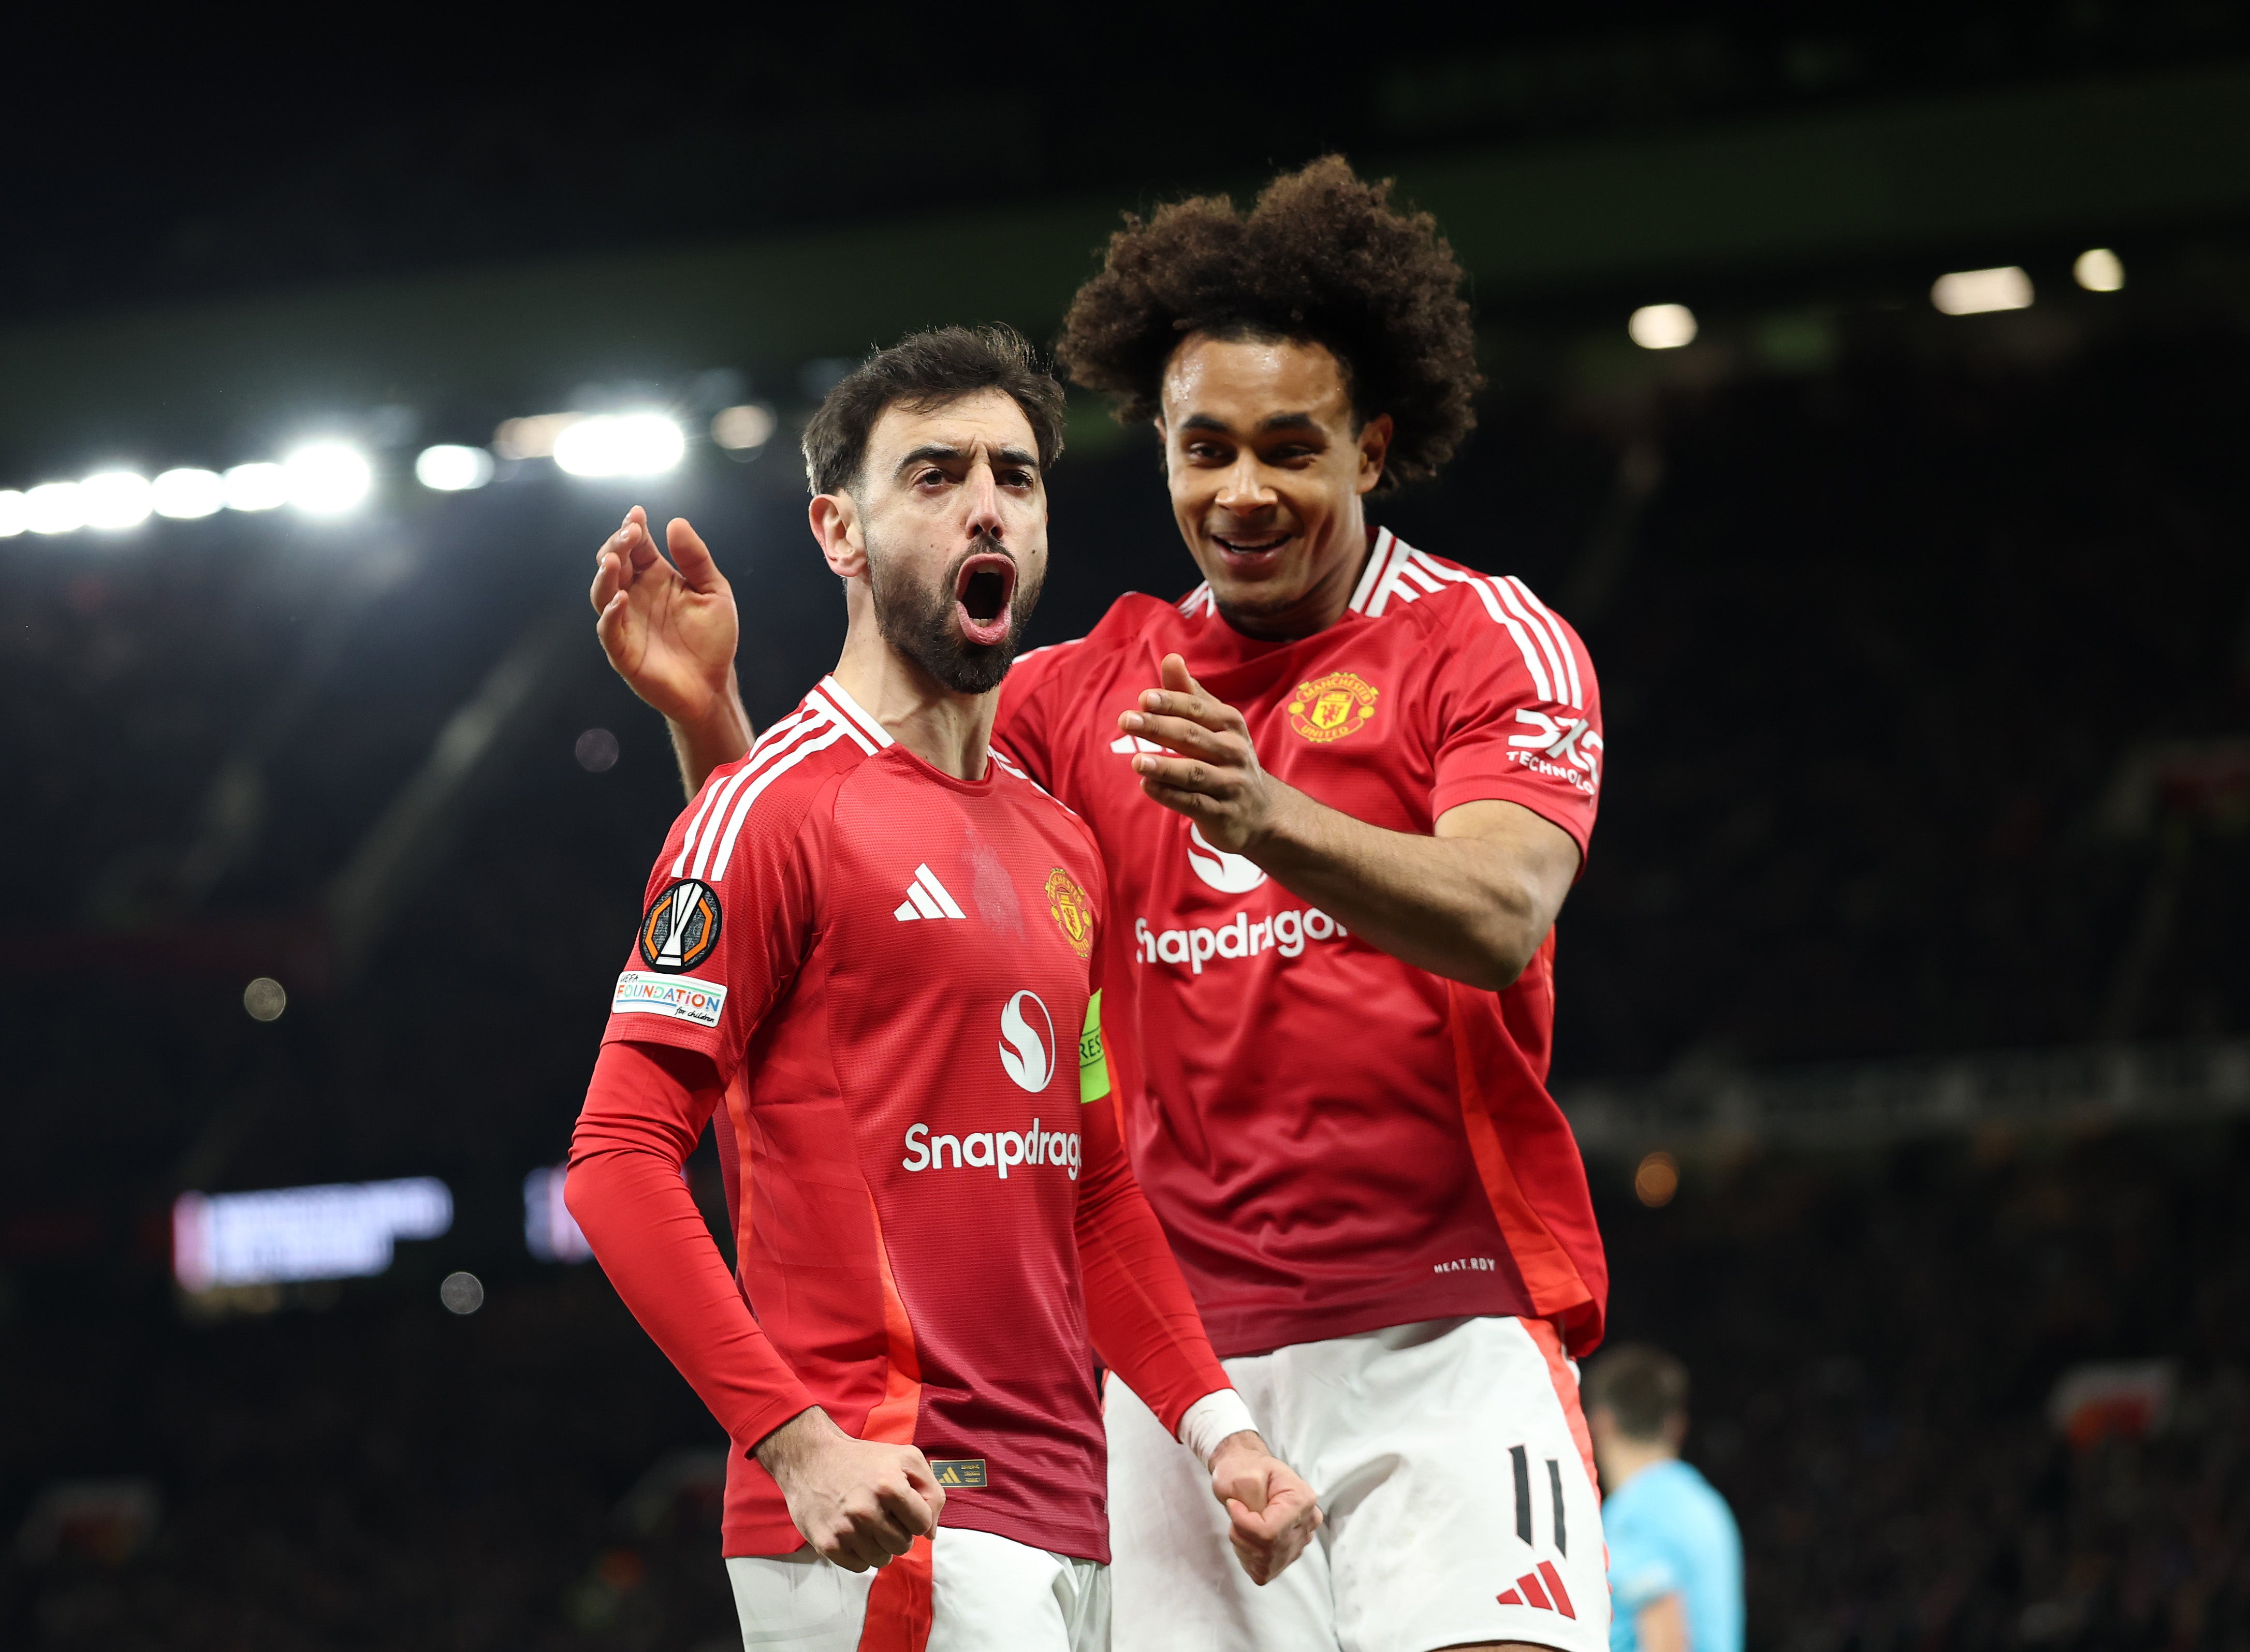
[1323,257]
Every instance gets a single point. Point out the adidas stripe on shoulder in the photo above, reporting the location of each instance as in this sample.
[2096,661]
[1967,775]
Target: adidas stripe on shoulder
[827,717]
[1399,573]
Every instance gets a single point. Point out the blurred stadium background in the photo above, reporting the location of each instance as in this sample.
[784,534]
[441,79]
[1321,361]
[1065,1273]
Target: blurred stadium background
[1868,385]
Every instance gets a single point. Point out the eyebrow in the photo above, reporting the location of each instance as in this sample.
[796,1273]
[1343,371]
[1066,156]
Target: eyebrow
[1277,421]
[939,452]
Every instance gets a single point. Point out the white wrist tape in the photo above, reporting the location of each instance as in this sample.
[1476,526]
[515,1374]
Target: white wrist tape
[1210,1420]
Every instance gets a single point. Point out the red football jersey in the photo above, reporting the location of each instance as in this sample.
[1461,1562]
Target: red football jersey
[892,971]
[1335,1141]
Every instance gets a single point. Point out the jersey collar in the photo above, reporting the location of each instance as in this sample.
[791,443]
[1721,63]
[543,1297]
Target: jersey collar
[832,692]
[1382,561]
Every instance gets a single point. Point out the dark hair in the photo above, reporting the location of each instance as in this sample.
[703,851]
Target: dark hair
[923,372]
[1643,1386]
[1323,257]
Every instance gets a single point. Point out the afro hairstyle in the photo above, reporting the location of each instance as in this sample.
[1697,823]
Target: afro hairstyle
[1323,257]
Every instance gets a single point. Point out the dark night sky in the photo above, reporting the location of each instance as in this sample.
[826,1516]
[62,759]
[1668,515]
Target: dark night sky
[172,161]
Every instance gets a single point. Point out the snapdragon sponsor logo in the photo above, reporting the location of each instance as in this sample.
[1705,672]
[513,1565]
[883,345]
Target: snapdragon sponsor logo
[1023,1051]
[1228,874]
[1285,933]
[997,1151]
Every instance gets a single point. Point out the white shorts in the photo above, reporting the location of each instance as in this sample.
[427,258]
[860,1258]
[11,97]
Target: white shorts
[965,1591]
[1453,1463]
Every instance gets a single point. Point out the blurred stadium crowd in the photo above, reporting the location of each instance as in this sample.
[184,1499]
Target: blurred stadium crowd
[1924,670]
[1875,1340]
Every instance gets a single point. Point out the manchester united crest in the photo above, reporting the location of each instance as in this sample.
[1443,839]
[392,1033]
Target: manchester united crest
[1069,906]
[1331,707]
[680,928]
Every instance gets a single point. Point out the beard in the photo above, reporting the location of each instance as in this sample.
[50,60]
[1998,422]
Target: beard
[917,619]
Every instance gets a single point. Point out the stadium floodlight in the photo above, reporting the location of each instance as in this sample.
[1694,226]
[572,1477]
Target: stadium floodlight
[739,429]
[1662,327]
[285,1235]
[54,507]
[620,445]
[448,469]
[255,488]
[2099,270]
[1979,292]
[532,436]
[115,498]
[187,493]
[328,478]
[15,515]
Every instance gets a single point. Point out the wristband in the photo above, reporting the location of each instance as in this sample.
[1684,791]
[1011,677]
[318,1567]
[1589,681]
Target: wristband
[1210,1420]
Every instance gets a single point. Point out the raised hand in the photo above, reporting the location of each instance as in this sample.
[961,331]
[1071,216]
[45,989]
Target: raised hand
[1272,1513]
[669,627]
[859,1502]
[1216,780]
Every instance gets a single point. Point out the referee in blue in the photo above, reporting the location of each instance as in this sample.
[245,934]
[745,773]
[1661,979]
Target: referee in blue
[1676,1556]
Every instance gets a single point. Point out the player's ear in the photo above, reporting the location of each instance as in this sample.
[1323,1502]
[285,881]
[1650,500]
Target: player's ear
[1374,449]
[835,521]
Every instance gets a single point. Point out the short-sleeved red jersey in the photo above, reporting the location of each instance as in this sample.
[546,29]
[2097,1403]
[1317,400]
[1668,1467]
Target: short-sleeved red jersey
[891,970]
[1335,1141]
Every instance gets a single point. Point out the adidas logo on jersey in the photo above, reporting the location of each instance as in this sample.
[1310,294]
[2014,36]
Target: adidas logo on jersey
[926,898]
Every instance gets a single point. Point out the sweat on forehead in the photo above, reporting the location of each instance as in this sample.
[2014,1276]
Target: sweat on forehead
[927,372]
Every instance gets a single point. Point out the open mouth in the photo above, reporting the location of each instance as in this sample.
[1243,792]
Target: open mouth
[981,594]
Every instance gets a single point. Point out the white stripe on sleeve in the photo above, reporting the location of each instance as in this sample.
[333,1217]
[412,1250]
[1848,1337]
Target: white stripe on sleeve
[1500,617]
[716,798]
[1561,638]
[1506,590]
[725,845]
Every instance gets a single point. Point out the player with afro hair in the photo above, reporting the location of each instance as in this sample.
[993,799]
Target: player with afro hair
[1323,256]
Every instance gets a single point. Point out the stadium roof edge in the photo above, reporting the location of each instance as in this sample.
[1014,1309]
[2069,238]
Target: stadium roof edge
[2101,158]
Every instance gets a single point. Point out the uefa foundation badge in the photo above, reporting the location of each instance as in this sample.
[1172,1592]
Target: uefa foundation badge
[681,927]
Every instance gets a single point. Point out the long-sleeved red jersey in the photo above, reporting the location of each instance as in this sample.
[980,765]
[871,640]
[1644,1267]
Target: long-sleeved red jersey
[870,979]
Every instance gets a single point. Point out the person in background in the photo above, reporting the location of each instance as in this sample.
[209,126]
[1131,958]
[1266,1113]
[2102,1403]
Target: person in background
[1675,1555]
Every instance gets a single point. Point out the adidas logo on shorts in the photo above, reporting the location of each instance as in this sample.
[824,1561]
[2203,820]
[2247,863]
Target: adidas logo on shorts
[1527,1591]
